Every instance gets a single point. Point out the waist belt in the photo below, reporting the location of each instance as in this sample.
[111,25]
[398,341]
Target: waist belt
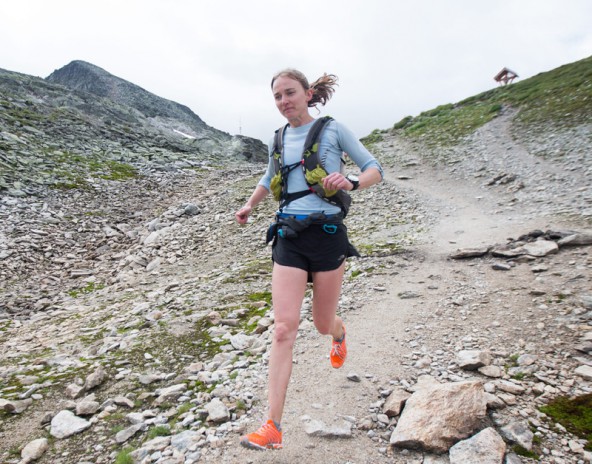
[288,225]
[313,218]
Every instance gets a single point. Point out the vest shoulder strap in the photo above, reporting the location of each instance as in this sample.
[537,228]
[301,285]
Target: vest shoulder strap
[310,161]
[314,136]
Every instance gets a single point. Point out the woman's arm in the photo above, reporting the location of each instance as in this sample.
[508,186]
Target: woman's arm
[242,215]
[337,181]
[371,171]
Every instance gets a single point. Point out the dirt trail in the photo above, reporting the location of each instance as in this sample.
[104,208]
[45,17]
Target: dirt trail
[381,327]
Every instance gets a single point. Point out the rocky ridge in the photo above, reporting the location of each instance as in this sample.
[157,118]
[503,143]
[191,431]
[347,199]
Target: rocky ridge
[138,314]
[63,132]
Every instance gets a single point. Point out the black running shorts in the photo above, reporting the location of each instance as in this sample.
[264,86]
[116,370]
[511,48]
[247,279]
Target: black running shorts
[316,249]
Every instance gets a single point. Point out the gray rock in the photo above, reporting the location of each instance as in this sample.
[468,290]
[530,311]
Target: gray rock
[518,432]
[217,411]
[486,447]
[471,360]
[395,402]
[501,267]
[123,401]
[171,393]
[17,407]
[34,450]
[526,360]
[124,435]
[540,248]
[65,424]
[185,440]
[509,387]
[241,341]
[317,428]
[354,377]
[87,408]
[95,379]
[576,239]
[584,372]
[491,371]
[512,458]
[466,253]
[437,416]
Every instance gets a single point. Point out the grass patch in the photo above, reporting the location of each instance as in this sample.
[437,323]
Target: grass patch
[512,361]
[158,431]
[118,171]
[260,296]
[575,414]
[124,456]
[380,249]
[374,137]
[521,451]
[72,170]
[89,288]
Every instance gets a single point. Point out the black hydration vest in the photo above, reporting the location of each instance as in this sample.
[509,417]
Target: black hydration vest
[313,169]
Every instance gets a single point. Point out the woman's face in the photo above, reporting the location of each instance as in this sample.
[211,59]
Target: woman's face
[291,98]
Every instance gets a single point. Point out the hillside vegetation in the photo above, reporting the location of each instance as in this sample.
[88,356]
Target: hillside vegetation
[560,98]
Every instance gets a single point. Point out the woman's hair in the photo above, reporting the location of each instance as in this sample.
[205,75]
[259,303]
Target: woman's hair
[323,87]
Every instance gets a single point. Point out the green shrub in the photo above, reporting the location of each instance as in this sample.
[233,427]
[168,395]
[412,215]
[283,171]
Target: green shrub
[124,457]
[575,414]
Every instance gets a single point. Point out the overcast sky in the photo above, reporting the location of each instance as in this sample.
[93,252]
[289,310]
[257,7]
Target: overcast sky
[393,58]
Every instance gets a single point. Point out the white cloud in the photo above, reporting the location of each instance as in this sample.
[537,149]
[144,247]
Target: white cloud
[393,57]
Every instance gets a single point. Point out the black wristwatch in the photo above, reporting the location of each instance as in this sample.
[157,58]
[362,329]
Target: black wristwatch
[354,180]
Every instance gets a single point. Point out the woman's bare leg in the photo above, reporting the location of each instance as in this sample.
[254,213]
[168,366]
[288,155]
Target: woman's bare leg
[288,286]
[326,292]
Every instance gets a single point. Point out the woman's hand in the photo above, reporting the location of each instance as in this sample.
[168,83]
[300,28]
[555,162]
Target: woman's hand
[337,181]
[242,215]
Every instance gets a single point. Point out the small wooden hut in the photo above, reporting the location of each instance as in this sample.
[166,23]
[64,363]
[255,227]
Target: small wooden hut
[505,76]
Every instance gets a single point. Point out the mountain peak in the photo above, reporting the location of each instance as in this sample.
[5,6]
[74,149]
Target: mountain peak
[81,75]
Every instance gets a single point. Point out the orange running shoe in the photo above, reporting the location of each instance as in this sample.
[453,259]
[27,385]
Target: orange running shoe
[267,437]
[338,352]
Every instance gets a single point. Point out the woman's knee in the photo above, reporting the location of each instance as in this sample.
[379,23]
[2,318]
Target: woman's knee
[324,327]
[285,332]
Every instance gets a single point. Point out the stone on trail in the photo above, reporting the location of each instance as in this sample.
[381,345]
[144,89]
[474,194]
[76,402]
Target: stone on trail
[317,428]
[540,248]
[395,401]
[486,447]
[471,360]
[518,432]
[437,416]
[491,371]
[465,253]
[576,239]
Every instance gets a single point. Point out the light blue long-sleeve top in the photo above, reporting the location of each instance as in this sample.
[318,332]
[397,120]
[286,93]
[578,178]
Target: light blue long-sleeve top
[335,140]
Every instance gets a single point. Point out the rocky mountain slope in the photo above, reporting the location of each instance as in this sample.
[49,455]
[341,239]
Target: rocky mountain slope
[82,123]
[135,314]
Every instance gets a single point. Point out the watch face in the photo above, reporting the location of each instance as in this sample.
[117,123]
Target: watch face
[353,178]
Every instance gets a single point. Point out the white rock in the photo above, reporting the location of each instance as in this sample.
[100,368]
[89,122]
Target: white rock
[34,450]
[65,424]
[217,410]
[584,371]
[486,447]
